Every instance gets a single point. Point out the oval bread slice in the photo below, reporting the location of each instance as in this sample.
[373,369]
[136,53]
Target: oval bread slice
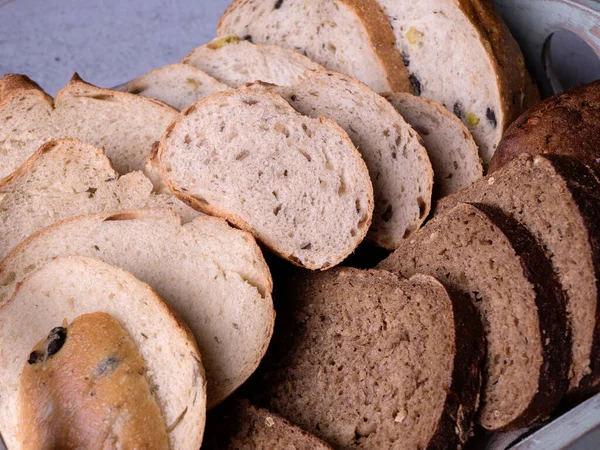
[68,287]
[297,184]
[212,275]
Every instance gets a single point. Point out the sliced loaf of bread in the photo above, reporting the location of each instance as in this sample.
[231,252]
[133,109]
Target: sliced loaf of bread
[349,36]
[558,200]
[397,161]
[236,61]
[297,184]
[365,360]
[451,148]
[177,85]
[126,125]
[462,55]
[481,251]
[212,275]
[69,287]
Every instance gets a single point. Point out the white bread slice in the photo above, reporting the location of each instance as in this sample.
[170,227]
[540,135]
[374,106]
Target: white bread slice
[69,287]
[450,146]
[297,184]
[397,161]
[126,125]
[177,85]
[213,275]
[67,178]
[349,36]
[462,55]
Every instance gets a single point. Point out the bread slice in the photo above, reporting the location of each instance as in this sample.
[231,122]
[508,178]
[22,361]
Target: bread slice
[450,146]
[349,36]
[557,199]
[242,426]
[212,275]
[462,55]
[236,61]
[363,359]
[297,184]
[126,125]
[177,85]
[398,164]
[67,178]
[72,286]
[566,124]
[487,254]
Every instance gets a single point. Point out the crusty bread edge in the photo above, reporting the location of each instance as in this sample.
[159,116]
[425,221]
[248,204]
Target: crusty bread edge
[13,85]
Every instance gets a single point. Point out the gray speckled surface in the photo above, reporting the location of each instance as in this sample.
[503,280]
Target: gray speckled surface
[106,41]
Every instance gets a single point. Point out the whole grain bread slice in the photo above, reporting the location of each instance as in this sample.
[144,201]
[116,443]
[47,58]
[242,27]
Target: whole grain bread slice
[67,178]
[558,200]
[177,85]
[349,36]
[396,159]
[297,184]
[236,61]
[69,287]
[212,275]
[126,125]
[239,425]
[451,148]
[363,359]
[487,254]
[461,54]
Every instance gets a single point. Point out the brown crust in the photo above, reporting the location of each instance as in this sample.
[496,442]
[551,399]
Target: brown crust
[567,124]
[552,313]
[12,85]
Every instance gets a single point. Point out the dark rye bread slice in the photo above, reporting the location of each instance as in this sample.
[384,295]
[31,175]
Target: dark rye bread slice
[558,199]
[481,251]
[238,425]
[567,124]
[363,360]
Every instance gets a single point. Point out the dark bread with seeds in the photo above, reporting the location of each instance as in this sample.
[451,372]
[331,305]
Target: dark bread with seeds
[481,251]
[365,360]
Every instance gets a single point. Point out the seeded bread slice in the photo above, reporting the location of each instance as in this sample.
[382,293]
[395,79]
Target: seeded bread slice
[349,36]
[177,85]
[461,54]
[479,250]
[297,184]
[365,360]
[69,287]
[451,148]
[213,275]
[242,426]
[126,125]
[236,61]
[558,200]
[398,164]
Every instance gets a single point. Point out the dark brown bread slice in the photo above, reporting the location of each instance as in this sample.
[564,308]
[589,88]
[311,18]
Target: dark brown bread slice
[567,124]
[487,254]
[558,199]
[238,425]
[363,360]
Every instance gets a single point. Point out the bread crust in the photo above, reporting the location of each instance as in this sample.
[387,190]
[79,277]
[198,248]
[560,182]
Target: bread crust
[13,85]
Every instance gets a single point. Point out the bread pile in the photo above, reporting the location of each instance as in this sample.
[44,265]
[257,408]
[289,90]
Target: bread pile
[135,295]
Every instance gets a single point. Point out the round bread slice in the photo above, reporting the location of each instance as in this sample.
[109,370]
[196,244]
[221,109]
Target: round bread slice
[349,36]
[365,360]
[398,164]
[461,54]
[558,199]
[481,251]
[242,426]
[451,148]
[177,85]
[69,287]
[212,275]
[297,184]
[236,61]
